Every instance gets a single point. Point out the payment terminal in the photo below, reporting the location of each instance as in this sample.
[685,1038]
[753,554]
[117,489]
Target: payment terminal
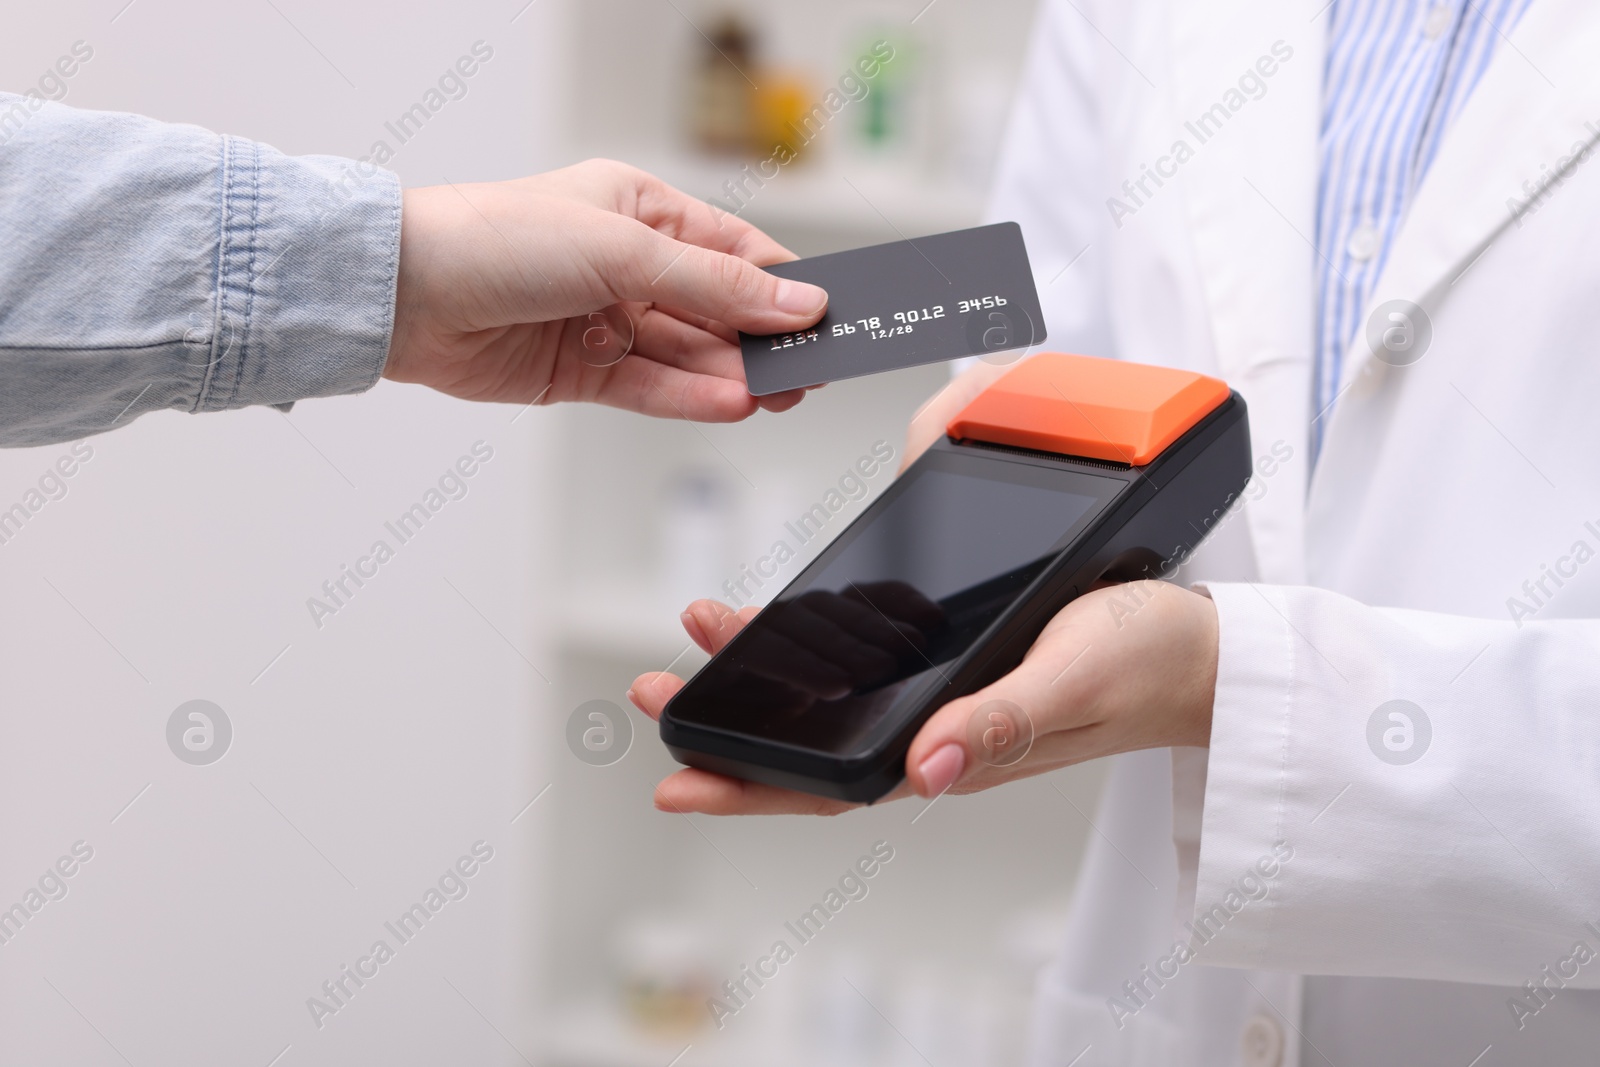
[1068,469]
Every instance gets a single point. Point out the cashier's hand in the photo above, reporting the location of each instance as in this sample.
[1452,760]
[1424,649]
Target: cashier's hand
[825,645]
[1121,668]
[928,424]
[597,282]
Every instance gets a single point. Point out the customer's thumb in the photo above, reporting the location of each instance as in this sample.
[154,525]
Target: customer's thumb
[728,289]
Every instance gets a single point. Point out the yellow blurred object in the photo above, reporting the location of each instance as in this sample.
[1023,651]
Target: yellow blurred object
[781,106]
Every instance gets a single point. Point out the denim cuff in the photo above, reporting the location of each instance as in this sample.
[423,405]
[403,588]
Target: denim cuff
[308,256]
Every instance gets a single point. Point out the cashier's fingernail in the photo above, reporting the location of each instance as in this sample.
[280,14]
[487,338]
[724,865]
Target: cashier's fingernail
[696,632]
[798,298]
[940,770]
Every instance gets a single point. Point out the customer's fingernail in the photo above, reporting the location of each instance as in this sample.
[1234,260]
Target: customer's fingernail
[940,770]
[633,698]
[798,298]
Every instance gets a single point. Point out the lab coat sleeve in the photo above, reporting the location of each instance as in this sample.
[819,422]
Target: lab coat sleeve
[1049,177]
[146,265]
[1454,836]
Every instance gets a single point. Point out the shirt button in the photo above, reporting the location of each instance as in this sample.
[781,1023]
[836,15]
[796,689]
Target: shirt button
[1261,1044]
[1363,243]
[1438,20]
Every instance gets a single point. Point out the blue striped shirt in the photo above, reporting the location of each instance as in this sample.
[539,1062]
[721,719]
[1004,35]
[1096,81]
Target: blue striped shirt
[1398,73]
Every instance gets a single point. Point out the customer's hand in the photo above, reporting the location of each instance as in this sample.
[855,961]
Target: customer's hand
[597,282]
[1121,668]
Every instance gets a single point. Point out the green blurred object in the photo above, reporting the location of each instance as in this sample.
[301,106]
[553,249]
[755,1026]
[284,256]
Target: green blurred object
[884,122]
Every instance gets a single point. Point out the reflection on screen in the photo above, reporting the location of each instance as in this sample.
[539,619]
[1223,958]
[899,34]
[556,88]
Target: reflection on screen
[903,595]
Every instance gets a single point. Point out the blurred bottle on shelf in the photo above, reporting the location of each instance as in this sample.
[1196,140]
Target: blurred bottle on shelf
[700,519]
[666,973]
[723,95]
[782,105]
[896,123]
[844,1025]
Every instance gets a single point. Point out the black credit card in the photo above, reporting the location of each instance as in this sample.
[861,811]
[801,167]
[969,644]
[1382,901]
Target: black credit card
[967,293]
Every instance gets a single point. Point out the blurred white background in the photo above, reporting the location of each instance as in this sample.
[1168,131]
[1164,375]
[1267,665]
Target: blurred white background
[372,752]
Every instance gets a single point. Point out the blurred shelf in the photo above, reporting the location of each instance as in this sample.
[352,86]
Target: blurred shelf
[619,622]
[833,195]
[596,1035]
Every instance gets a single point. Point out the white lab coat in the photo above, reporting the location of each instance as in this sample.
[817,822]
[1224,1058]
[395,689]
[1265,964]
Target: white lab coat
[1438,887]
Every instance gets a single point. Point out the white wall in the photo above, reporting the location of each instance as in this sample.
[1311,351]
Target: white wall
[378,748]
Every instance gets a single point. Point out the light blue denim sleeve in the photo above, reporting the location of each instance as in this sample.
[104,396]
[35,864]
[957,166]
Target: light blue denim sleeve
[146,266]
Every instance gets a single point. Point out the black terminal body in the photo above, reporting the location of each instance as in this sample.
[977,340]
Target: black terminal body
[936,590]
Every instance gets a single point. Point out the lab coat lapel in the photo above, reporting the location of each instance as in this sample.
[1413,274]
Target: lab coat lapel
[1251,192]
[1539,98]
